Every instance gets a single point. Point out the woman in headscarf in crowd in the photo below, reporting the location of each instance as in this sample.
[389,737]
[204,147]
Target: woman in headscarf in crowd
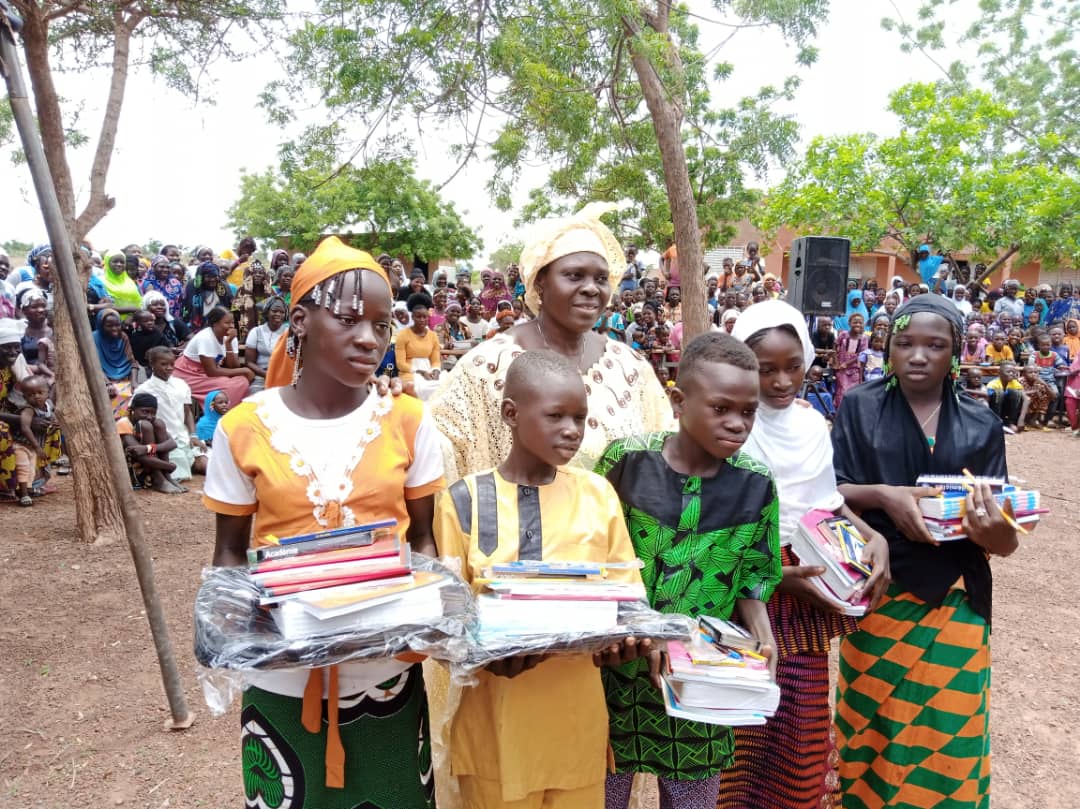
[437,313]
[322,449]
[37,341]
[204,292]
[773,288]
[247,305]
[40,260]
[260,341]
[282,286]
[729,319]
[1035,305]
[172,329]
[566,266]
[784,763]
[116,359]
[162,279]
[278,259]
[850,343]
[119,286]
[245,252]
[960,300]
[912,714]
[855,305]
[513,281]
[494,291]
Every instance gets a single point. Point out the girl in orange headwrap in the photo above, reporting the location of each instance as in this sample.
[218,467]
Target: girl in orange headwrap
[321,448]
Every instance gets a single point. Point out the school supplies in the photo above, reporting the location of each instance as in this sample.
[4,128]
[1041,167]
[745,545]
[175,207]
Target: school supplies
[357,536]
[537,606]
[824,540]
[720,685]
[728,633]
[959,483]
[944,514]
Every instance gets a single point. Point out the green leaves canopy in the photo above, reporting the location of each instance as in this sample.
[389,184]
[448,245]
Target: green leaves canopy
[948,177]
[383,205]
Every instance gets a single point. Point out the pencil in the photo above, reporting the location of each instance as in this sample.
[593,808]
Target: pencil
[1001,509]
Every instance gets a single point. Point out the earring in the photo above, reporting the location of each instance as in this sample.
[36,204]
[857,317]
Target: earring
[290,346]
[298,364]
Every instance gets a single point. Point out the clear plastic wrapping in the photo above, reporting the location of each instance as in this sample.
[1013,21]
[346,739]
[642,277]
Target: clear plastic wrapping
[636,619]
[235,636]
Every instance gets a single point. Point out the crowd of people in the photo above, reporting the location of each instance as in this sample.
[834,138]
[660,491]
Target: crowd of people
[558,413]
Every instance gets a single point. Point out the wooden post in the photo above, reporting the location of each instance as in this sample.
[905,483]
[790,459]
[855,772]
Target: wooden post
[74,299]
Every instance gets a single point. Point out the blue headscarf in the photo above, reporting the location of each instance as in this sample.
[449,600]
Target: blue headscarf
[207,423]
[38,252]
[111,350]
[1039,304]
[841,323]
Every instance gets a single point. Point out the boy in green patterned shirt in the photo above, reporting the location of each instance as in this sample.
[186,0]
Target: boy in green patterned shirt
[703,518]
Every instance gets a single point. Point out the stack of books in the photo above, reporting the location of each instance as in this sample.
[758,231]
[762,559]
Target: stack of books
[549,598]
[338,581]
[719,677]
[944,514]
[824,540]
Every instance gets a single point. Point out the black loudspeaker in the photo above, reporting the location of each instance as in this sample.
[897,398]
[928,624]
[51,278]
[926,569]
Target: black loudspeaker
[817,275]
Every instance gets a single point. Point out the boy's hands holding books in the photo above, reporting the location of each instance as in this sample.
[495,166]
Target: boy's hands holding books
[511,667]
[630,649]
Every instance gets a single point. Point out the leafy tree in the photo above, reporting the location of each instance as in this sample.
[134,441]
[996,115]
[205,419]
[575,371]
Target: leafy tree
[382,204]
[946,178]
[611,95]
[1027,53]
[13,247]
[180,40]
[506,253]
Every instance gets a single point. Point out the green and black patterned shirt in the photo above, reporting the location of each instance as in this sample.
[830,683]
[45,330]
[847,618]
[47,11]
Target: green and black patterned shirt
[705,543]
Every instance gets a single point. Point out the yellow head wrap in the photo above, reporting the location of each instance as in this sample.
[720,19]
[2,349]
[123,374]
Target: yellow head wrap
[554,238]
[331,257]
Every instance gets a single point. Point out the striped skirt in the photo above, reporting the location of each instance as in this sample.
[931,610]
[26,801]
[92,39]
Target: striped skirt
[912,715]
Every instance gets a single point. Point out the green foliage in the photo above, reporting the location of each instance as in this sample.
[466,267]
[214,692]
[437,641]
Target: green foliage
[382,205]
[13,247]
[946,178]
[553,82]
[506,253]
[1027,53]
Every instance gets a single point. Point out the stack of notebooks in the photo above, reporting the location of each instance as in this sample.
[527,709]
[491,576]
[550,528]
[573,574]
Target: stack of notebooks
[547,598]
[824,540]
[719,677]
[337,581]
[944,514]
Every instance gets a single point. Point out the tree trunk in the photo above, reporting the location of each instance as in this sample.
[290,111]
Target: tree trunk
[667,123]
[97,508]
[1012,251]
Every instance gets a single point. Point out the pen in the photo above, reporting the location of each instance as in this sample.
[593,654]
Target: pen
[1001,509]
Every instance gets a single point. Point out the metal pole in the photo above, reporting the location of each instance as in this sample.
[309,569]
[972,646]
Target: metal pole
[64,263]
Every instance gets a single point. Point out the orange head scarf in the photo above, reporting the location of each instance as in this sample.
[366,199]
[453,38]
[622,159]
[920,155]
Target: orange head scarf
[330,258]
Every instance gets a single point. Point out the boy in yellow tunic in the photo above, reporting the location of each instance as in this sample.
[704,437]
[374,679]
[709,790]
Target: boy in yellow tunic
[533,732]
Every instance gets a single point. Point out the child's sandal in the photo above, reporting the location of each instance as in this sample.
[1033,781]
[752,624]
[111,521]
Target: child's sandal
[26,500]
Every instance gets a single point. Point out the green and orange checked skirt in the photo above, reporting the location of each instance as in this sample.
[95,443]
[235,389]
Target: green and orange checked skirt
[912,714]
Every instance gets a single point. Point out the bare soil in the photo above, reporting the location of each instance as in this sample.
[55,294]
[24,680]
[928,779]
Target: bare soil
[82,710]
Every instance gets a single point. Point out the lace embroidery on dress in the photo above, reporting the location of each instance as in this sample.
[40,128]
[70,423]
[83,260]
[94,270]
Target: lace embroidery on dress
[327,497]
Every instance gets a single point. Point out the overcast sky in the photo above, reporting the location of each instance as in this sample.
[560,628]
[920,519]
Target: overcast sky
[177,164]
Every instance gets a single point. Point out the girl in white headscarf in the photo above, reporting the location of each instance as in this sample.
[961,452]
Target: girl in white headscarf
[783,763]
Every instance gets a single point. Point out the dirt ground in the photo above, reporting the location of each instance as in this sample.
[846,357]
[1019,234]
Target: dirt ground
[82,709]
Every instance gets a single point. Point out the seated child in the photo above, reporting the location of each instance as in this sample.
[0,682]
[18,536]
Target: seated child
[215,406]
[174,408]
[144,337]
[30,442]
[1005,395]
[533,732]
[816,392]
[997,352]
[705,552]
[873,359]
[1052,370]
[973,385]
[147,445]
[1039,397]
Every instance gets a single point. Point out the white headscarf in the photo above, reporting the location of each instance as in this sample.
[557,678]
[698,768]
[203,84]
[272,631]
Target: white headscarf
[793,442]
[11,330]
